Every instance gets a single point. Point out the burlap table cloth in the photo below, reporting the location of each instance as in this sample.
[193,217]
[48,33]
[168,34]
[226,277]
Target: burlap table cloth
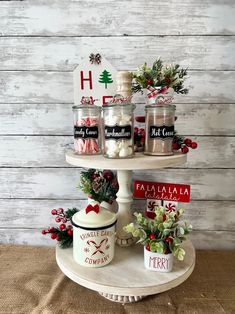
[31,282]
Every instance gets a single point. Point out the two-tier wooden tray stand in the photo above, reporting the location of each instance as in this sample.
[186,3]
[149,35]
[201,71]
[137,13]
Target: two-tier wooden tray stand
[125,279]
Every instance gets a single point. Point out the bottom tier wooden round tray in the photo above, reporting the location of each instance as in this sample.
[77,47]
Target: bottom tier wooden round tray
[125,279]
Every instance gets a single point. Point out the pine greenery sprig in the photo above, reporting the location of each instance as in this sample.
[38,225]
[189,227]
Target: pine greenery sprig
[100,185]
[160,75]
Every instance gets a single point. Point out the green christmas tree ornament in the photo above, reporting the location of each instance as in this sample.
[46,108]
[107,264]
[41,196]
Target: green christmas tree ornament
[106,78]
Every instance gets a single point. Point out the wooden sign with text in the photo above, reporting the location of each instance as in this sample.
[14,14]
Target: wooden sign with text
[162,191]
[96,81]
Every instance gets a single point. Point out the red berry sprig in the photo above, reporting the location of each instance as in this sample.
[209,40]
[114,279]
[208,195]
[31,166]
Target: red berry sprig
[139,138]
[183,144]
[64,233]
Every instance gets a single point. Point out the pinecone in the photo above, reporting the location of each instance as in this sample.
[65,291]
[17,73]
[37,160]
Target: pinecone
[97,184]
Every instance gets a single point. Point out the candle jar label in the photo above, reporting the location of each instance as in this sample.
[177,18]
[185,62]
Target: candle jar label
[86,132]
[117,132]
[161,132]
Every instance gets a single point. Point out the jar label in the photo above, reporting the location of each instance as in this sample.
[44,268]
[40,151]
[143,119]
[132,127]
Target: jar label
[117,132]
[86,131]
[161,131]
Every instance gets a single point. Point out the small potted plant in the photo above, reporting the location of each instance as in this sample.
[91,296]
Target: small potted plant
[159,81]
[161,237]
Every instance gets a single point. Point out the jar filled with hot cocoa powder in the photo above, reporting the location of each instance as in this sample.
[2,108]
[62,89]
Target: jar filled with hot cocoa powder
[159,129]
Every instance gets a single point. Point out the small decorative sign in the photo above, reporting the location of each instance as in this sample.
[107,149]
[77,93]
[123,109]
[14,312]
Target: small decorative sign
[162,191]
[95,78]
[151,206]
[117,132]
[86,132]
[170,206]
[161,131]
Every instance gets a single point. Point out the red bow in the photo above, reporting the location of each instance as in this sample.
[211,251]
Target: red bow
[91,208]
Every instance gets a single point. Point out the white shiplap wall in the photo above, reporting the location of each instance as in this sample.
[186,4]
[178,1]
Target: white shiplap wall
[40,44]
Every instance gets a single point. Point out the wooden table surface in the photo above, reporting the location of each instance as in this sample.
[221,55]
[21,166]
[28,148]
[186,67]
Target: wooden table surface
[31,282]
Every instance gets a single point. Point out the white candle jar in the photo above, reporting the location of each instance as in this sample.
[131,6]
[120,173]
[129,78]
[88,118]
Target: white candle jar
[159,129]
[93,236]
[87,133]
[118,130]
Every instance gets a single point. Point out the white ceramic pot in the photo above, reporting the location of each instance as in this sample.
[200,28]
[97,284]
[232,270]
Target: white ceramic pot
[158,262]
[93,236]
[111,207]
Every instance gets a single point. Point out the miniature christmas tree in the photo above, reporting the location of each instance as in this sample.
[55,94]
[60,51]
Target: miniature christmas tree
[106,78]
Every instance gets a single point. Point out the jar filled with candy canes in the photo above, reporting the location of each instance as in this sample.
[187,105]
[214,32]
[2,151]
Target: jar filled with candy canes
[118,130]
[87,133]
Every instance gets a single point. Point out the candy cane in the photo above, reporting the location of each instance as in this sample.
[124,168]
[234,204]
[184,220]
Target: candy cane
[97,246]
[86,146]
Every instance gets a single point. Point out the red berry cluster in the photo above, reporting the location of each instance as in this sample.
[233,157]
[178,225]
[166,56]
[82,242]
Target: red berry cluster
[183,144]
[139,134]
[60,215]
[63,233]
[55,232]
[139,138]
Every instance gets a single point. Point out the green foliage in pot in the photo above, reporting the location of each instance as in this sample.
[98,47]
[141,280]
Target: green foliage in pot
[163,234]
[160,75]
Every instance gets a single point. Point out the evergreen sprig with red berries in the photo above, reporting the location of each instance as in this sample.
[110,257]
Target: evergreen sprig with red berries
[100,185]
[64,233]
[160,75]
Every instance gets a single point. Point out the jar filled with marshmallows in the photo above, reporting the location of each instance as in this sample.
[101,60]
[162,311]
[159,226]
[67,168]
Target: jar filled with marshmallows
[118,130]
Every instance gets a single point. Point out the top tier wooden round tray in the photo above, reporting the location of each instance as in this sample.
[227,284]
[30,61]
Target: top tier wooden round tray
[138,162]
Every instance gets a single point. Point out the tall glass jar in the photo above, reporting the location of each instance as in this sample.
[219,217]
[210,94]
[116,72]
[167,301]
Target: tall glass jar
[159,132]
[118,130]
[87,132]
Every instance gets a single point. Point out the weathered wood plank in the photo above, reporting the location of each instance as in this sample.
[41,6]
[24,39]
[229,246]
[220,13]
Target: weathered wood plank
[31,213]
[81,18]
[60,183]
[56,119]
[206,240]
[63,54]
[49,151]
[57,87]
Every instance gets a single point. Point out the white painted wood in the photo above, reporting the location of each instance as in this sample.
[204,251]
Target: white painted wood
[203,215]
[48,151]
[40,102]
[56,119]
[47,119]
[60,183]
[57,87]
[205,240]
[80,18]
[139,161]
[120,276]
[35,213]
[64,53]
[124,200]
